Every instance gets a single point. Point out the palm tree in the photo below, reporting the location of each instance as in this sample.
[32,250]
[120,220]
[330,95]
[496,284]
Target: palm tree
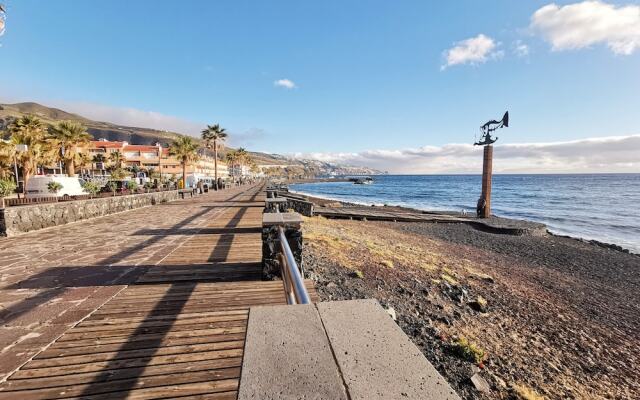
[117,159]
[84,161]
[69,137]
[214,138]
[239,158]
[7,157]
[244,158]
[185,149]
[232,160]
[99,158]
[29,131]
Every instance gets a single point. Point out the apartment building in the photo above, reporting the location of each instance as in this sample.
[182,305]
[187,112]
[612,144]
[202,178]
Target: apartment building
[148,157]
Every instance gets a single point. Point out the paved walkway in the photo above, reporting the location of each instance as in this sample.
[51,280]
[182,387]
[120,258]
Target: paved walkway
[171,320]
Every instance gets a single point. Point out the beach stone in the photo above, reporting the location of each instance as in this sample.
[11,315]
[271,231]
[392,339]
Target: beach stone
[480,383]
[479,304]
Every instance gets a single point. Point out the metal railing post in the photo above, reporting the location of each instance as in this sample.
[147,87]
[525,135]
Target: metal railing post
[291,271]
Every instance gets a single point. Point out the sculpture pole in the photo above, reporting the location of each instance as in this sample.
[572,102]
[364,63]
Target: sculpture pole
[483,208]
[487,167]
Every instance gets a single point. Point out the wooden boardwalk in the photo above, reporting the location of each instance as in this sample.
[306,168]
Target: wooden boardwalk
[178,333]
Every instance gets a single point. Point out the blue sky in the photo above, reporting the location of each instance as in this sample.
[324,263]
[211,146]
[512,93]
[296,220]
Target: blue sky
[368,75]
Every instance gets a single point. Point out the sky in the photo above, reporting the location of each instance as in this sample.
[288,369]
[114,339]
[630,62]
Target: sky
[401,86]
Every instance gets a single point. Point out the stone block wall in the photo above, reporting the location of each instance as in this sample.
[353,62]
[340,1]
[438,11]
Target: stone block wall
[300,206]
[271,249]
[21,219]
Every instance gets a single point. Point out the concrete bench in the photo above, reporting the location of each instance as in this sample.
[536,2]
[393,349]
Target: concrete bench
[334,350]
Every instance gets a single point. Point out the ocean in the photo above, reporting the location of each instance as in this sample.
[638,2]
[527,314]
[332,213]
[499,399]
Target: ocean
[604,207]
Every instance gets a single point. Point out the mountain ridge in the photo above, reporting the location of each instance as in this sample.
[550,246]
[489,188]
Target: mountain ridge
[148,136]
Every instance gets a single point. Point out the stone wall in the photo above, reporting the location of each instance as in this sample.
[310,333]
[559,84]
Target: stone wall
[21,219]
[300,206]
[271,249]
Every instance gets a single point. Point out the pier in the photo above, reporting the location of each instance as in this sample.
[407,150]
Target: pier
[168,301]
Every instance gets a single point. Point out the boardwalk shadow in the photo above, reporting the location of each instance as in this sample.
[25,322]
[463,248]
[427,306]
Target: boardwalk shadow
[56,281]
[108,272]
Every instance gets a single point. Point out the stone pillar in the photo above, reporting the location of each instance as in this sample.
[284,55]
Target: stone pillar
[292,224]
[487,167]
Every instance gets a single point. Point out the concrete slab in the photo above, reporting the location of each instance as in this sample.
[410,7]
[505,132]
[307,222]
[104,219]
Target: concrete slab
[289,219]
[287,356]
[377,360]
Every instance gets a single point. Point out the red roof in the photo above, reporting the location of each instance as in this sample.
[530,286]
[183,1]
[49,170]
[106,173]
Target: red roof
[140,147]
[105,144]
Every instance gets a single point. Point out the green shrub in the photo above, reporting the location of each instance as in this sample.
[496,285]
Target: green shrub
[467,350]
[91,187]
[112,186]
[119,173]
[7,187]
[132,185]
[54,187]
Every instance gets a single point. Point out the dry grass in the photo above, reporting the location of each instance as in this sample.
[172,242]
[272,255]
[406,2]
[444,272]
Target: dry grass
[467,350]
[354,245]
[526,393]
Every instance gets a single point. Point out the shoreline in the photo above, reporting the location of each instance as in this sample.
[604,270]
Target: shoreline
[548,314]
[319,200]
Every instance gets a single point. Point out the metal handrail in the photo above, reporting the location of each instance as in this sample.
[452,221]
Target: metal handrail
[294,287]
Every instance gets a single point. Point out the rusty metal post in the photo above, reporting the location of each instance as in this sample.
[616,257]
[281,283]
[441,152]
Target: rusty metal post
[487,166]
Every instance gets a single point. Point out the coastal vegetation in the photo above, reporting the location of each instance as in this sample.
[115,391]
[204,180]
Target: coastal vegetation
[236,159]
[54,187]
[213,137]
[7,187]
[92,187]
[30,147]
[185,149]
[67,137]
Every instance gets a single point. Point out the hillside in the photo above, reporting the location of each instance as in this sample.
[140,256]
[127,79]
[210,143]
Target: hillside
[137,135]
[98,130]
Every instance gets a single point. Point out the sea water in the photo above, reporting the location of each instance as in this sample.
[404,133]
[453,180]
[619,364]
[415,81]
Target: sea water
[604,207]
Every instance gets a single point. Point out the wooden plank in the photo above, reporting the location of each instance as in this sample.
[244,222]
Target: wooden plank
[133,384]
[124,373]
[171,337]
[127,363]
[167,338]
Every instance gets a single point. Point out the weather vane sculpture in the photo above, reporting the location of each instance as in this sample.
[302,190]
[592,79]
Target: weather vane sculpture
[483,208]
[491,126]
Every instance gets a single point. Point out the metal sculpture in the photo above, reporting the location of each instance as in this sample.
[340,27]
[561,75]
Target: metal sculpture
[483,207]
[491,126]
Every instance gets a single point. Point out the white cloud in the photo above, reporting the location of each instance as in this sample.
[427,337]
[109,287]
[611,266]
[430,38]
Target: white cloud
[606,154]
[131,117]
[580,25]
[475,50]
[249,138]
[285,83]
[126,116]
[520,49]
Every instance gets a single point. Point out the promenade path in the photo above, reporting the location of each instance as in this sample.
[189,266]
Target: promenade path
[149,303]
